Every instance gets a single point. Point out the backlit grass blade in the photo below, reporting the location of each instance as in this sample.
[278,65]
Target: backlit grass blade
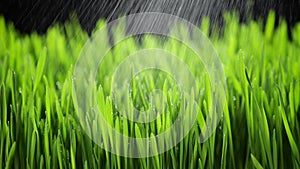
[141,149]
[10,156]
[274,147]
[3,34]
[32,150]
[292,116]
[293,144]
[73,150]
[40,68]
[256,164]
[42,162]
[154,151]
[270,25]
[48,101]
[224,151]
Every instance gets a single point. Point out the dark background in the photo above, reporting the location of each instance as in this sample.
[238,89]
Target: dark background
[38,15]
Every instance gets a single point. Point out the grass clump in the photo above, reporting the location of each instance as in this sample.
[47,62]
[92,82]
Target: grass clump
[259,129]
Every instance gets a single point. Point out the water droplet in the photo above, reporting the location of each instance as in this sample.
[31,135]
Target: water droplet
[58,85]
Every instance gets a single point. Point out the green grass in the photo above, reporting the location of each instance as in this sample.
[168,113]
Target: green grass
[260,127]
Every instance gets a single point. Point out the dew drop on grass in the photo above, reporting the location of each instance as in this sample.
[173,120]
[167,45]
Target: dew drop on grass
[220,127]
[58,85]
[234,98]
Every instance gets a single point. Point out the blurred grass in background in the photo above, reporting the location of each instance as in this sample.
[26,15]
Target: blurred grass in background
[260,127]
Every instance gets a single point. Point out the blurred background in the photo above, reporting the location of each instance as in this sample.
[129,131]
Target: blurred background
[38,15]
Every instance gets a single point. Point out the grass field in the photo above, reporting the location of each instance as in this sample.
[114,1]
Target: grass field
[260,127]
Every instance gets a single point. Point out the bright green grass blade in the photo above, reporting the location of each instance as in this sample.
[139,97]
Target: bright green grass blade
[274,147]
[141,149]
[32,150]
[229,132]
[205,26]
[3,105]
[73,150]
[40,68]
[10,156]
[154,151]
[292,116]
[48,102]
[3,34]
[86,165]
[47,146]
[256,163]
[42,162]
[118,141]
[270,25]
[293,144]
[224,150]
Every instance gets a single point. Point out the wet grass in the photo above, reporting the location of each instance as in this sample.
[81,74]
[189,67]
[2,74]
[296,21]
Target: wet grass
[260,127]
